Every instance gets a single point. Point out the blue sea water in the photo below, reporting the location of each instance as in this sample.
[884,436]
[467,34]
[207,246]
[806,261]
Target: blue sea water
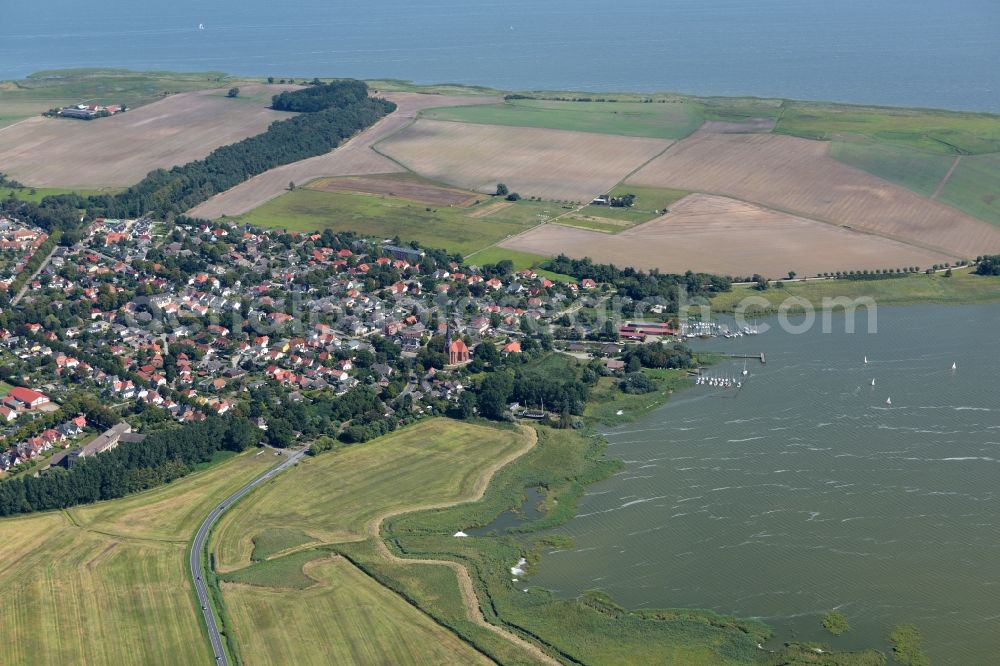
[936,53]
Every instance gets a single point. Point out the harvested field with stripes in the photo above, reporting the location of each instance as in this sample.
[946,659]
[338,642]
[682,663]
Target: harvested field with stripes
[345,618]
[721,235]
[552,164]
[796,175]
[108,583]
[120,150]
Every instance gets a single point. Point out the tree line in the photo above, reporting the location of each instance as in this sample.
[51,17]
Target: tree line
[988,265]
[332,113]
[130,467]
[640,285]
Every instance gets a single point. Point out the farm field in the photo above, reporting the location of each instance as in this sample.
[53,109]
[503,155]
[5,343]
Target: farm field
[721,235]
[345,617]
[113,589]
[44,90]
[402,185]
[962,287]
[655,120]
[120,150]
[173,511]
[796,176]
[452,229]
[943,132]
[443,462]
[649,204]
[355,157]
[552,164]
[917,170]
[974,187]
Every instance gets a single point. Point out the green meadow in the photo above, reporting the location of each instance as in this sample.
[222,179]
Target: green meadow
[452,229]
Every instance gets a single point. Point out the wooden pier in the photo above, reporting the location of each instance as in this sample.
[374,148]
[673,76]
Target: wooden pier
[759,357]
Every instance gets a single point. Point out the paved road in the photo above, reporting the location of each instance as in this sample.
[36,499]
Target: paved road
[41,267]
[199,546]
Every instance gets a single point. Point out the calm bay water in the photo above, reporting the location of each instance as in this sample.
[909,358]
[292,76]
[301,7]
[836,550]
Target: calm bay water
[803,492]
[940,53]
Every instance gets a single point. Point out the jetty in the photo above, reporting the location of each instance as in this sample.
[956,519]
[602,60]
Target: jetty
[759,357]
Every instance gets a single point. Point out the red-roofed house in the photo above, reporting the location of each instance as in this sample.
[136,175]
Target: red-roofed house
[26,398]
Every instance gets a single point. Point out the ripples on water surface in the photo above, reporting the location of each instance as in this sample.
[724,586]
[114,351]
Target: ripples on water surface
[804,492]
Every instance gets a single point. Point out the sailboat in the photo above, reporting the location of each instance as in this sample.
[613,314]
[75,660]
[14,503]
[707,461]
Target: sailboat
[873,382]
[745,373]
[866,360]
[201,26]
[888,402]
[954,366]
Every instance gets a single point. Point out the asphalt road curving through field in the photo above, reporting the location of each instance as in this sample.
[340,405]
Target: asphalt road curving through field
[198,546]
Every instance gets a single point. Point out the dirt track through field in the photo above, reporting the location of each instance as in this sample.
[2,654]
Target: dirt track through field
[120,150]
[468,590]
[355,157]
[721,235]
[947,177]
[796,175]
[398,185]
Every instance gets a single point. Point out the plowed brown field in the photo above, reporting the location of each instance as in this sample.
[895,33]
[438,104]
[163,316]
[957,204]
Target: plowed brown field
[552,164]
[795,175]
[720,235]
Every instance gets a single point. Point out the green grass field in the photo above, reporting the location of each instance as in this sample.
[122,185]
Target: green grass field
[661,121]
[345,618]
[521,260]
[918,170]
[941,132]
[4,388]
[975,187]
[108,583]
[962,287]
[452,229]
[433,461]
[44,90]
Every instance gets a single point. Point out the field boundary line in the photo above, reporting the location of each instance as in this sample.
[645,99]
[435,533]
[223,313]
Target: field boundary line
[466,587]
[947,177]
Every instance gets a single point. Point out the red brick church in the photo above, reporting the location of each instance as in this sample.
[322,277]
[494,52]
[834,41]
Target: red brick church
[458,352]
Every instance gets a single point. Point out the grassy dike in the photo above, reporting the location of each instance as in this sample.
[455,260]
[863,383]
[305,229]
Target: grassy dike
[590,628]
